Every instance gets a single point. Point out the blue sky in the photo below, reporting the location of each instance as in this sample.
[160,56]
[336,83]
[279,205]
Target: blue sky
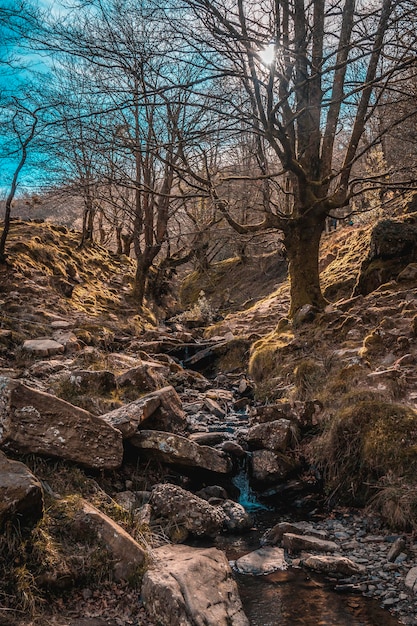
[15,79]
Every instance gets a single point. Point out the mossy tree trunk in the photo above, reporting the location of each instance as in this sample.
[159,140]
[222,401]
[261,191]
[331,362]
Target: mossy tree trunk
[302,242]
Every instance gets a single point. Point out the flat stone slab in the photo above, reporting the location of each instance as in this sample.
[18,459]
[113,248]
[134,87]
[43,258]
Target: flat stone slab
[43,347]
[178,450]
[35,422]
[334,565]
[297,543]
[263,561]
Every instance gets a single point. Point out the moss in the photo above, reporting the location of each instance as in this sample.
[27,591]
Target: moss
[265,356]
[206,280]
[236,356]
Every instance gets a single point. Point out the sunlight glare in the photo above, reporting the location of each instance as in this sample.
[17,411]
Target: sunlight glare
[268,54]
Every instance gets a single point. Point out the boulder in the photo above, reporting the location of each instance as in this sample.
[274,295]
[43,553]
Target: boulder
[297,543]
[68,340]
[43,347]
[91,381]
[334,565]
[393,247]
[140,379]
[21,494]
[272,412]
[184,513]
[214,408]
[276,435]
[177,450]
[192,587]
[236,517]
[128,557]
[35,422]
[263,561]
[269,467]
[161,410]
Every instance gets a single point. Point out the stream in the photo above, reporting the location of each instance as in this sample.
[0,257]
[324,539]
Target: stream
[295,596]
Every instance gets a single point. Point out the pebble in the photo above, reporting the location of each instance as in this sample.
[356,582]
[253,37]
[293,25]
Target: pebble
[390,563]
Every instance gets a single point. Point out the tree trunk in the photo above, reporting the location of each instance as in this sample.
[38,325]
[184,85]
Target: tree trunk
[140,283]
[302,242]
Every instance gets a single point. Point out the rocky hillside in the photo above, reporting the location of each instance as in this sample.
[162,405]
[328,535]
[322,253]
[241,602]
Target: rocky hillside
[121,437]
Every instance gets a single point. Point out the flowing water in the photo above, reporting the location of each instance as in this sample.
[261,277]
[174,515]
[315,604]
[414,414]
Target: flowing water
[294,597]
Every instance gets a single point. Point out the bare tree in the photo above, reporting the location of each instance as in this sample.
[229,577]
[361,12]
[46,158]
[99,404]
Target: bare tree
[305,71]
[23,125]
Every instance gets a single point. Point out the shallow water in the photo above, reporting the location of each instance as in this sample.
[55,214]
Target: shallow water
[296,597]
[301,600]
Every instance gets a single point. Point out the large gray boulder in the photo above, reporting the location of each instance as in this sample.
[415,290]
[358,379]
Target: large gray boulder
[177,450]
[35,422]
[159,410]
[182,513]
[192,587]
[21,494]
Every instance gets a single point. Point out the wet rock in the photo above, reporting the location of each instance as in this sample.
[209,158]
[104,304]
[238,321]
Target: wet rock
[43,347]
[208,439]
[191,586]
[297,543]
[269,467]
[185,513]
[234,449]
[128,556]
[35,422]
[21,494]
[263,561]
[177,450]
[161,410]
[276,435]
[334,565]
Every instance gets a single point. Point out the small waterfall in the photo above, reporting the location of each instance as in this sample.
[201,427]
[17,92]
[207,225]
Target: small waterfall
[247,497]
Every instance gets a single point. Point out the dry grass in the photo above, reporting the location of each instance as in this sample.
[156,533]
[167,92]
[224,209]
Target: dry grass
[362,443]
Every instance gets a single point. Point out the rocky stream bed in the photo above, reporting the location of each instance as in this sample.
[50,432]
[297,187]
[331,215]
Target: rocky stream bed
[236,501]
